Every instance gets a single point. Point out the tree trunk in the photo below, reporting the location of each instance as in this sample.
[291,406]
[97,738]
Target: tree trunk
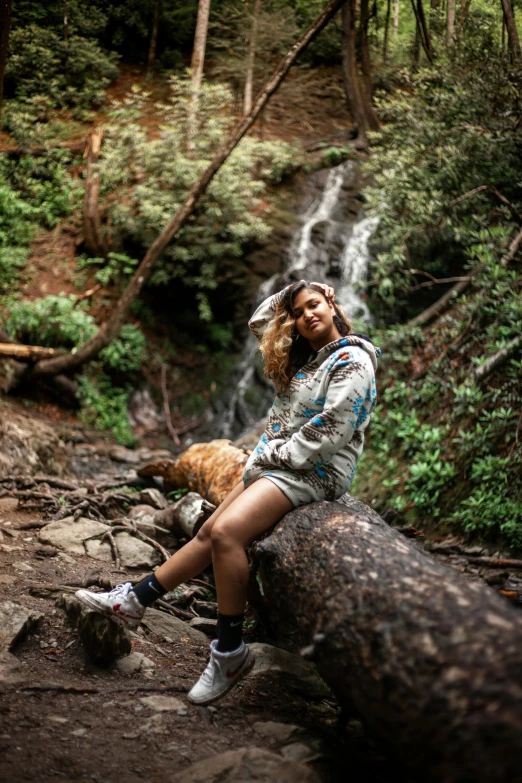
[352,86]
[196,65]
[110,329]
[503,34]
[463,15]
[153,37]
[422,28]
[249,81]
[450,23]
[372,120]
[5,24]
[395,17]
[386,32]
[92,229]
[434,15]
[513,39]
[431,662]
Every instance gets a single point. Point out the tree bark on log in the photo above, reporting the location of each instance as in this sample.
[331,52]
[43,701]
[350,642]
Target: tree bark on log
[431,662]
[72,361]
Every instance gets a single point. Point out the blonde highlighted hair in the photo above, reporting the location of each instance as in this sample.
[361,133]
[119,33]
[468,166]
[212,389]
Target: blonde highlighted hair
[284,350]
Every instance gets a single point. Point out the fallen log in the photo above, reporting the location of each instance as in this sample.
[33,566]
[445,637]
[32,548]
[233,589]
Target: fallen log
[429,661]
[210,469]
[28,353]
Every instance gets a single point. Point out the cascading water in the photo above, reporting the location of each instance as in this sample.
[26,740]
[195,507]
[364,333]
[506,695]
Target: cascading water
[330,244]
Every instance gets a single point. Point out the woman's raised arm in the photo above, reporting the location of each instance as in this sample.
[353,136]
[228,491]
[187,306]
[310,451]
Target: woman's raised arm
[264,314]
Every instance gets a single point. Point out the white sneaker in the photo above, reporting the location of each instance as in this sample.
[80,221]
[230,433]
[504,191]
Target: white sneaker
[121,604]
[224,670]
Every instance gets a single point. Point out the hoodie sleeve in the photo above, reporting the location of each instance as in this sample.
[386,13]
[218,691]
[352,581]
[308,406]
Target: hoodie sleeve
[264,314]
[349,400]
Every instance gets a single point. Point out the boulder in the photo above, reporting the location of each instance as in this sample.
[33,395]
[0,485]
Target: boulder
[104,640]
[75,538]
[133,553]
[69,535]
[16,621]
[205,625]
[170,628]
[245,765]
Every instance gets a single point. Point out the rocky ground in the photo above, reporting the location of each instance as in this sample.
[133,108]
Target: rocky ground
[93,702]
[82,699]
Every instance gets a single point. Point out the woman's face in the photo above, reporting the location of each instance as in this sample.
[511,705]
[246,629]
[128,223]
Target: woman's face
[314,318]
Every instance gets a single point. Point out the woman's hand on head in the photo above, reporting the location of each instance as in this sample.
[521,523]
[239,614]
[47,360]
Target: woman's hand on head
[329,292]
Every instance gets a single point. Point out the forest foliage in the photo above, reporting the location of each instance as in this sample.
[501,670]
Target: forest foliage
[445,181]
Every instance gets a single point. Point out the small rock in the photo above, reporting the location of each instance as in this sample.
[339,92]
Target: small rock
[153,497]
[299,753]
[165,625]
[10,669]
[206,609]
[57,719]
[46,551]
[142,510]
[121,454]
[278,731]
[205,625]
[246,764]
[131,664]
[79,733]
[104,640]
[22,566]
[163,703]
[16,621]
[290,669]
[8,504]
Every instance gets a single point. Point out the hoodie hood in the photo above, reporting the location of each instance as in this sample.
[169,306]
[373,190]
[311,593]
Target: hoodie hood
[360,340]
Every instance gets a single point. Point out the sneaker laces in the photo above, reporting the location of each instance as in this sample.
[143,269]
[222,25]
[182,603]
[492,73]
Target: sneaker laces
[207,676]
[123,590]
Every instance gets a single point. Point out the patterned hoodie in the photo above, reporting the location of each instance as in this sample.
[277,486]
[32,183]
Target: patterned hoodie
[315,430]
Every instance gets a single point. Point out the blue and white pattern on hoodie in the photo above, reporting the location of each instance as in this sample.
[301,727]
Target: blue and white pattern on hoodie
[315,430]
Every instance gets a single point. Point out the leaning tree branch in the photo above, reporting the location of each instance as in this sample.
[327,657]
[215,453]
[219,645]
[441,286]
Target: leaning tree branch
[70,362]
[498,359]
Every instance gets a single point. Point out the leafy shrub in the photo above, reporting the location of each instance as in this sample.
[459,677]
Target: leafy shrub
[104,406]
[144,182]
[16,233]
[75,74]
[60,320]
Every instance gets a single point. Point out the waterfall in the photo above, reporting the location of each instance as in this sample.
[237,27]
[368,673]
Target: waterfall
[330,244]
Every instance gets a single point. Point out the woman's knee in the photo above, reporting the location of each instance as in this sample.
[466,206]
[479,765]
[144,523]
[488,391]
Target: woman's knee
[223,534]
[205,531]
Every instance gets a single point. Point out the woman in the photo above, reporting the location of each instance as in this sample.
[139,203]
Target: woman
[325,381]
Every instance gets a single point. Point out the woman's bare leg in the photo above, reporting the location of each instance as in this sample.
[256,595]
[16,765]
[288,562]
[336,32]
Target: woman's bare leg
[249,515]
[196,555]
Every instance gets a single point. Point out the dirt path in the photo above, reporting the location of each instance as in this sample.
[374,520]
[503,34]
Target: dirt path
[112,735]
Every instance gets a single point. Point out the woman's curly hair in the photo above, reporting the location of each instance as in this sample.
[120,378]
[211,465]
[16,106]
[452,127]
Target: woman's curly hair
[284,350]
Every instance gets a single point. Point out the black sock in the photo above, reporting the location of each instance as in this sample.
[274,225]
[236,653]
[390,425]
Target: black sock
[230,631]
[148,590]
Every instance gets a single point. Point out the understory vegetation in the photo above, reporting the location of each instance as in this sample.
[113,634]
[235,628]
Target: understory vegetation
[446,439]
[445,172]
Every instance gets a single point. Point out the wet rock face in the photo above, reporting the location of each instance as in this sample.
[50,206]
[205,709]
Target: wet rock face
[29,446]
